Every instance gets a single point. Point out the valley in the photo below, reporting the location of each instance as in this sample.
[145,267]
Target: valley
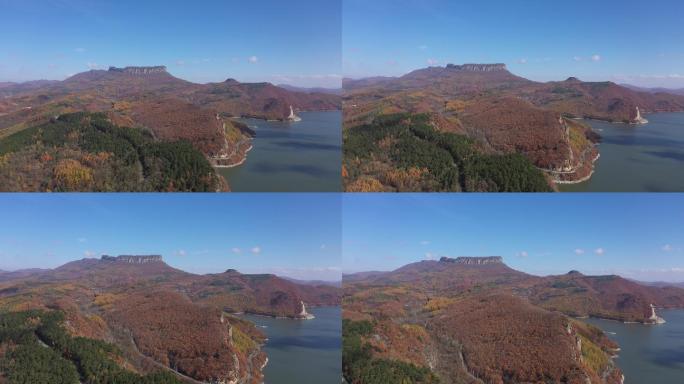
[501,114]
[476,320]
[146,101]
[148,322]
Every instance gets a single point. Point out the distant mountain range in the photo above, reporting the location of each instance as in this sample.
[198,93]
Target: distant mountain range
[660,283]
[331,91]
[157,313]
[672,91]
[503,113]
[471,318]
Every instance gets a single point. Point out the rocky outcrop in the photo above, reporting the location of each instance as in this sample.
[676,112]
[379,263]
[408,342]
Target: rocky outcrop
[473,260]
[654,318]
[303,314]
[139,70]
[478,67]
[133,259]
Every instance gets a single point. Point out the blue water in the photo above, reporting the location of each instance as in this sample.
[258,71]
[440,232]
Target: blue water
[649,353]
[303,351]
[638,158]
[303,156]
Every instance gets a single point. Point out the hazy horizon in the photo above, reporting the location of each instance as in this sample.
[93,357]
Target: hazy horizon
[207,42]
[636,236]
[169,70]
[164,259]
[537,40]
[674,88]
[296,236]
[539,274]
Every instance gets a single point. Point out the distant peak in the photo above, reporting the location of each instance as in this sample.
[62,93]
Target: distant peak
[232,271]
[139,70]
[572,79]
[231,81]
[575,273]
[473,260]
[478,67]
[133,259]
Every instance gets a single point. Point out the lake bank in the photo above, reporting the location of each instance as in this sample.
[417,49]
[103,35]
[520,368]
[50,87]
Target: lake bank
[291,156]
[637,158]
[648,353]
[302,351]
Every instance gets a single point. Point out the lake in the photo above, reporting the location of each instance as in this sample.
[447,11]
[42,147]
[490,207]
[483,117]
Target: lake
[303,156]
[650,353]
[303,351]
[638,158]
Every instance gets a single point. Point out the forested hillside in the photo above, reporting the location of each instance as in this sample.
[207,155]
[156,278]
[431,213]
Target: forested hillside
[86,152]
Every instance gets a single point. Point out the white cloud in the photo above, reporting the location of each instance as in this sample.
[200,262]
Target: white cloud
[255,250]
[82,239]
[253,59]
[432,61]
[599,251]
[577,58]
[424,242]
[181,252]
[89,254]
[522,254]
[180,63]
[429,256]
[80,50]
[323,246]
[666,248]
[579,251]
[236,250]
[522,61]
[423,47]
[596,58]
[92,65]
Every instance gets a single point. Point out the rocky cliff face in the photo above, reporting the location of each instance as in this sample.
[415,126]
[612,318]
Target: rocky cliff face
[139,70]
[473,260]
[478,67]
[131,259]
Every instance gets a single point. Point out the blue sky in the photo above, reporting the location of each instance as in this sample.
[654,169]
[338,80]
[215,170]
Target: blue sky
[634,235]
[296,235]
[210,40]
[635,41]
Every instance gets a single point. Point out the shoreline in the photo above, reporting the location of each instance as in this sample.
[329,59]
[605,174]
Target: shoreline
[283,120]
[623,122]
[283,317]
[244,158]
[617,321]
[582,179]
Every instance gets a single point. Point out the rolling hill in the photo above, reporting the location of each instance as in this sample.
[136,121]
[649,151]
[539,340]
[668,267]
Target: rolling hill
[502,113]
[160,319]
[150,99]
[476,320]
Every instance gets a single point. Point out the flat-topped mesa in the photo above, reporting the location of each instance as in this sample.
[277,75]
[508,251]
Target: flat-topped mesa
[473,260]
[139,70]
[133,259]
[478,67]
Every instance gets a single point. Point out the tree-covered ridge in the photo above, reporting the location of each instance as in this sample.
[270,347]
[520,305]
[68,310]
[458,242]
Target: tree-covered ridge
[36,349]
[86,152]
[359,366]
[403,152]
